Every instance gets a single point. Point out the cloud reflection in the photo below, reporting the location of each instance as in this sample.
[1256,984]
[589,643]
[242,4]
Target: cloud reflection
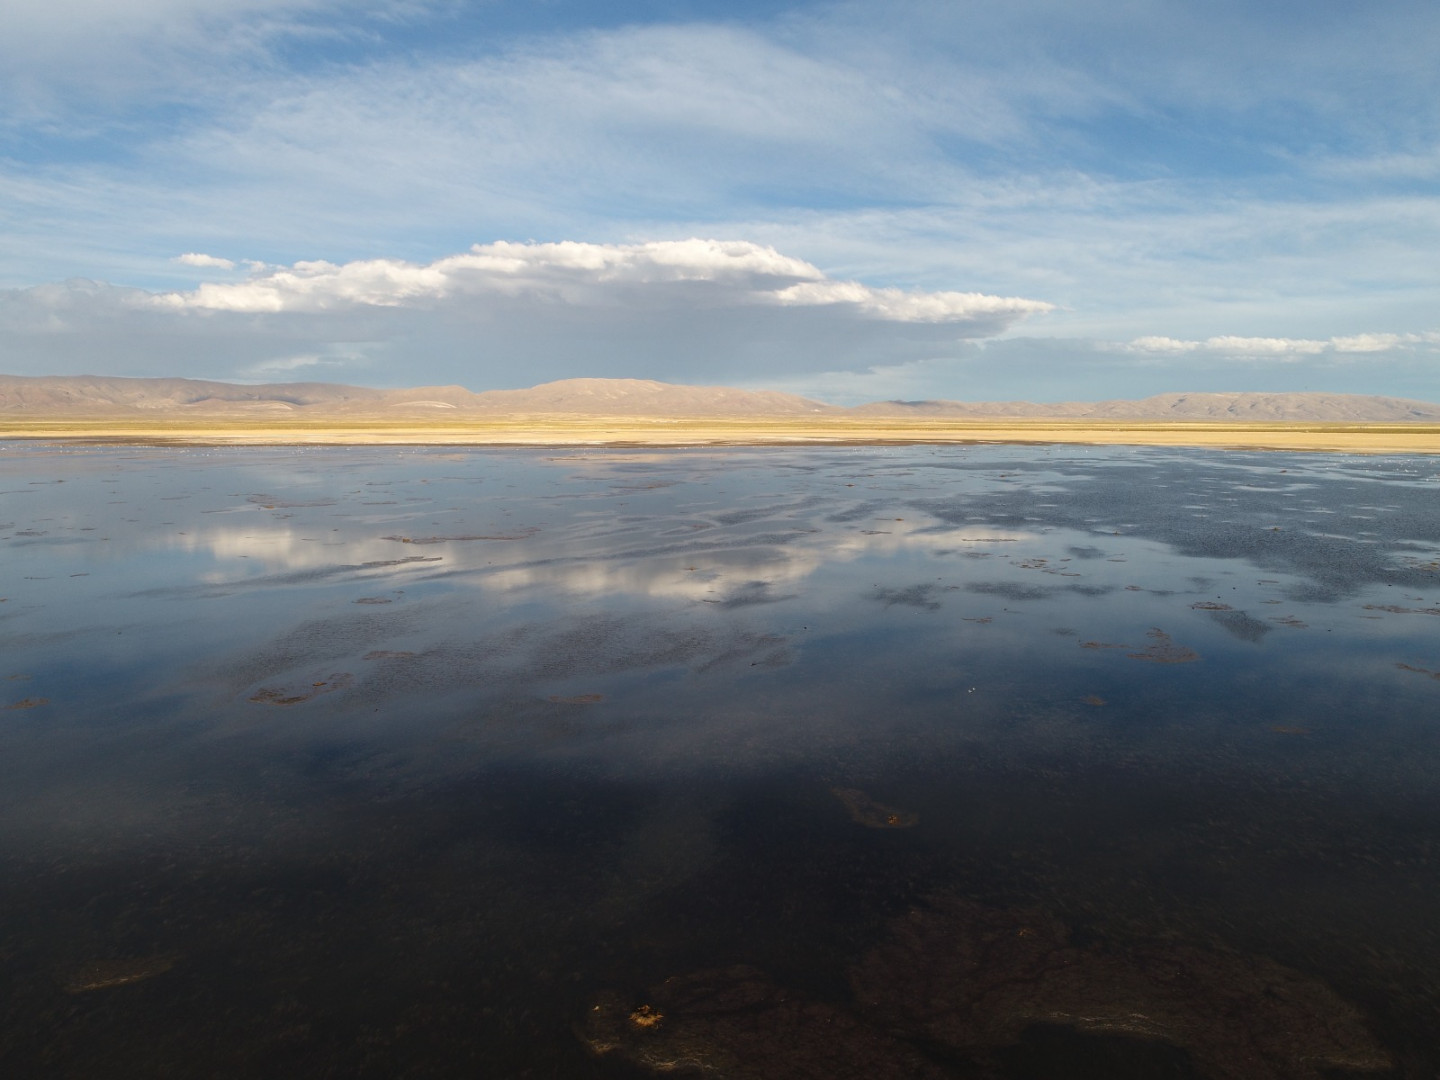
[725,567]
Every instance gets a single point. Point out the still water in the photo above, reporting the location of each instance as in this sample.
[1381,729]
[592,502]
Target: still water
[887,762]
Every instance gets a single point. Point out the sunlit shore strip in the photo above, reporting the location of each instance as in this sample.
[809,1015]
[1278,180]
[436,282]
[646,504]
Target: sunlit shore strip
[562,430]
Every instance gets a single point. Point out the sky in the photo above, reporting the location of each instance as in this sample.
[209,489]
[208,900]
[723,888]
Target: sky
[1042,199]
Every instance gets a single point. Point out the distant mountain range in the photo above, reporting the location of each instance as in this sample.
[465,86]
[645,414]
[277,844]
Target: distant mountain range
[102,396]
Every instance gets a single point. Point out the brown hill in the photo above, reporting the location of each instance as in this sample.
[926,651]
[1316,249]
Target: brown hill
[645,397]
[108,395]
[1294,407]
[87,395]
[100,396]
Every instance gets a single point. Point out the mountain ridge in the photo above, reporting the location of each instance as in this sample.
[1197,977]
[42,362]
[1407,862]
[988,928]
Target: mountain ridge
[115,396]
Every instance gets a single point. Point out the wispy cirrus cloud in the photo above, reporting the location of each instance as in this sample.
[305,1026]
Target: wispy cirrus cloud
[72,59]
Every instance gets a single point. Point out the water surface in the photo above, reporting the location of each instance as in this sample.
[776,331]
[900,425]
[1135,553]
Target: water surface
[363,762]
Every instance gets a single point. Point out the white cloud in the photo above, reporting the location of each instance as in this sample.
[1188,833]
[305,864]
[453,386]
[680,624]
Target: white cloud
[504,314]
[1265,346]
[1283,347]
[205,262]
[1366,343]
[1373,343]
[1163,345]
[287,365]
[901,306]
[734,272]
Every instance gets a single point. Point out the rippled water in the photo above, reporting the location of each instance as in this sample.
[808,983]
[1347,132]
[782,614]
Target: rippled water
[980,761]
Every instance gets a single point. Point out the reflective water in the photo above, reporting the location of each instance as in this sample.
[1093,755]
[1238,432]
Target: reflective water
[980,761]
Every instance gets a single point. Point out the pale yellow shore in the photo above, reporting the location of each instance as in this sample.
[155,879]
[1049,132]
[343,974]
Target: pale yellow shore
[552,430]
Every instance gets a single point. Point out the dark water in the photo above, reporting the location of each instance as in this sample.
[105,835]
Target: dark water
[1002,762]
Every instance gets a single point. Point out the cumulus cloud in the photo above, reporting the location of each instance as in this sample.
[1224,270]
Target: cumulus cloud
[1163,345]
[205,262]
[505,314]
[735,272]
[901,306]
[1370,343]
[1268,346]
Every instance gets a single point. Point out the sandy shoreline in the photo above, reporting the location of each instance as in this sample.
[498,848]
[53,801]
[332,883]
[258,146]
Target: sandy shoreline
[551,430]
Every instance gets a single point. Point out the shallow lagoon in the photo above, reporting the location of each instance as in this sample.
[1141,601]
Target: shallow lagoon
[982,761]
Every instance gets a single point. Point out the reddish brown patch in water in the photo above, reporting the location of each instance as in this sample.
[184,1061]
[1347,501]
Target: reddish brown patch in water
[29,703]
[969,983]
[105,974]
[864,810]
[296,694]
[1164,651]
[577,699]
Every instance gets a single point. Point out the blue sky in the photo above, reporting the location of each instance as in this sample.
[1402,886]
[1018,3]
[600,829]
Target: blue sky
[1042,199]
